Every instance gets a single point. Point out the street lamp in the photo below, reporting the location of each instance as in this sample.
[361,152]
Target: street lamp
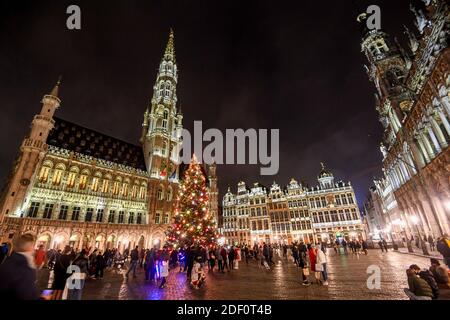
[388,229]
[401,223]
[415,221]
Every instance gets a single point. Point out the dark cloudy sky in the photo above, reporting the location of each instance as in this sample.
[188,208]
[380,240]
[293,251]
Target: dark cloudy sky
[291,65]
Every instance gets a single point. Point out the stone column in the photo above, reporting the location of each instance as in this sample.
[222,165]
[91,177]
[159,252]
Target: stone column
[444,119]
[427,144]
[439,133]
[433,138]
[423,149]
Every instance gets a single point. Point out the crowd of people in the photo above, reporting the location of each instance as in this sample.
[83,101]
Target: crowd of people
[426,284]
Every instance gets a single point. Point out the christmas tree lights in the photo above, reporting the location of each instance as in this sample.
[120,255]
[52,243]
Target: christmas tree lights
[192,222]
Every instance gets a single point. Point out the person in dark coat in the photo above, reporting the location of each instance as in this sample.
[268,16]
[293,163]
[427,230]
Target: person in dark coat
[134,256]
[231,255]
[61,264]
[149,265]
[100,265]
[443,246]
[18,273]
[190,261]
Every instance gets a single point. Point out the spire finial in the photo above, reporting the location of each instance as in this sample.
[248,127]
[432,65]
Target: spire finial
[322,165]
[55,89]
[170,48]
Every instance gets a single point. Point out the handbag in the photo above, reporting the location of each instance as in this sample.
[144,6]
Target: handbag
[319,267]
[305,271]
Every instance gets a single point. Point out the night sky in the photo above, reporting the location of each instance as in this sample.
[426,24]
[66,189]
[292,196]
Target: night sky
[291,65]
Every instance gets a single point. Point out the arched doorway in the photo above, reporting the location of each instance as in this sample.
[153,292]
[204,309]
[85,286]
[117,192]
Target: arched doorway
[141,242]
[74,241]
[59,242]
[87,241]
[99,242]
[110,242]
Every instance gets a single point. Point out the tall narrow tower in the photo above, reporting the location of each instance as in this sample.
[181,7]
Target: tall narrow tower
[162,125]
[213,192]
[388,67]
[32,150]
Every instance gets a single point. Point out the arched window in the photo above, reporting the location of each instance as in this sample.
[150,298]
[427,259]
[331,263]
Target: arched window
[169,194]
[43,176]
[95,181]
[134,191]
[105,184]
[160,193]
[142,191]
[165,119]
[72,176]
[83,179]
[57,174]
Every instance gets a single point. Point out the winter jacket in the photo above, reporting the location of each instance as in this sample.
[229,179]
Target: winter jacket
[312,259]
[419,286]
[17,279]
[39,257]
[61,264]
[443,248]
[164,268]
[441,275]
[428,277]
[134,255]
[321,257]
[223,253]
[82,263]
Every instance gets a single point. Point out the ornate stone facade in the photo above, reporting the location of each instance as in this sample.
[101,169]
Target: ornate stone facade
[413,101]
[73,185]
[284,215]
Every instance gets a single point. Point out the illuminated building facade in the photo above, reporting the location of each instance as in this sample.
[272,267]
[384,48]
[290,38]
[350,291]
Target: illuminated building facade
[413,102]
[71,185]
[285,215]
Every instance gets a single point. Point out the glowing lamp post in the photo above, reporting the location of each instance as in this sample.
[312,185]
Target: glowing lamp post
[401,223]
[415,221]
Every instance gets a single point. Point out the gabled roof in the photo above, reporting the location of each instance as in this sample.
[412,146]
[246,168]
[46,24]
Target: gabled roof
[73,137]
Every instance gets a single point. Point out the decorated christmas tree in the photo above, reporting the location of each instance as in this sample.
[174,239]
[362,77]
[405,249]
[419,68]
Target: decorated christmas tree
[193,224]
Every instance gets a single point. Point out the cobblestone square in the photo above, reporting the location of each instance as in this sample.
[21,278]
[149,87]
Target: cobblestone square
[347,281]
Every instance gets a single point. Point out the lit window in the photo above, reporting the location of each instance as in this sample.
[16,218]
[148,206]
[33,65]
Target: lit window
[57,177]
[142,192]
[134,191]
[43,176]
[116,188]
[105,186]
[82,183]
[71,179]
[95,184]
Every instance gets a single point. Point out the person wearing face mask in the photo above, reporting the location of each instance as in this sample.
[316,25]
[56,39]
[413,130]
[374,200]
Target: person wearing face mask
[18,272]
